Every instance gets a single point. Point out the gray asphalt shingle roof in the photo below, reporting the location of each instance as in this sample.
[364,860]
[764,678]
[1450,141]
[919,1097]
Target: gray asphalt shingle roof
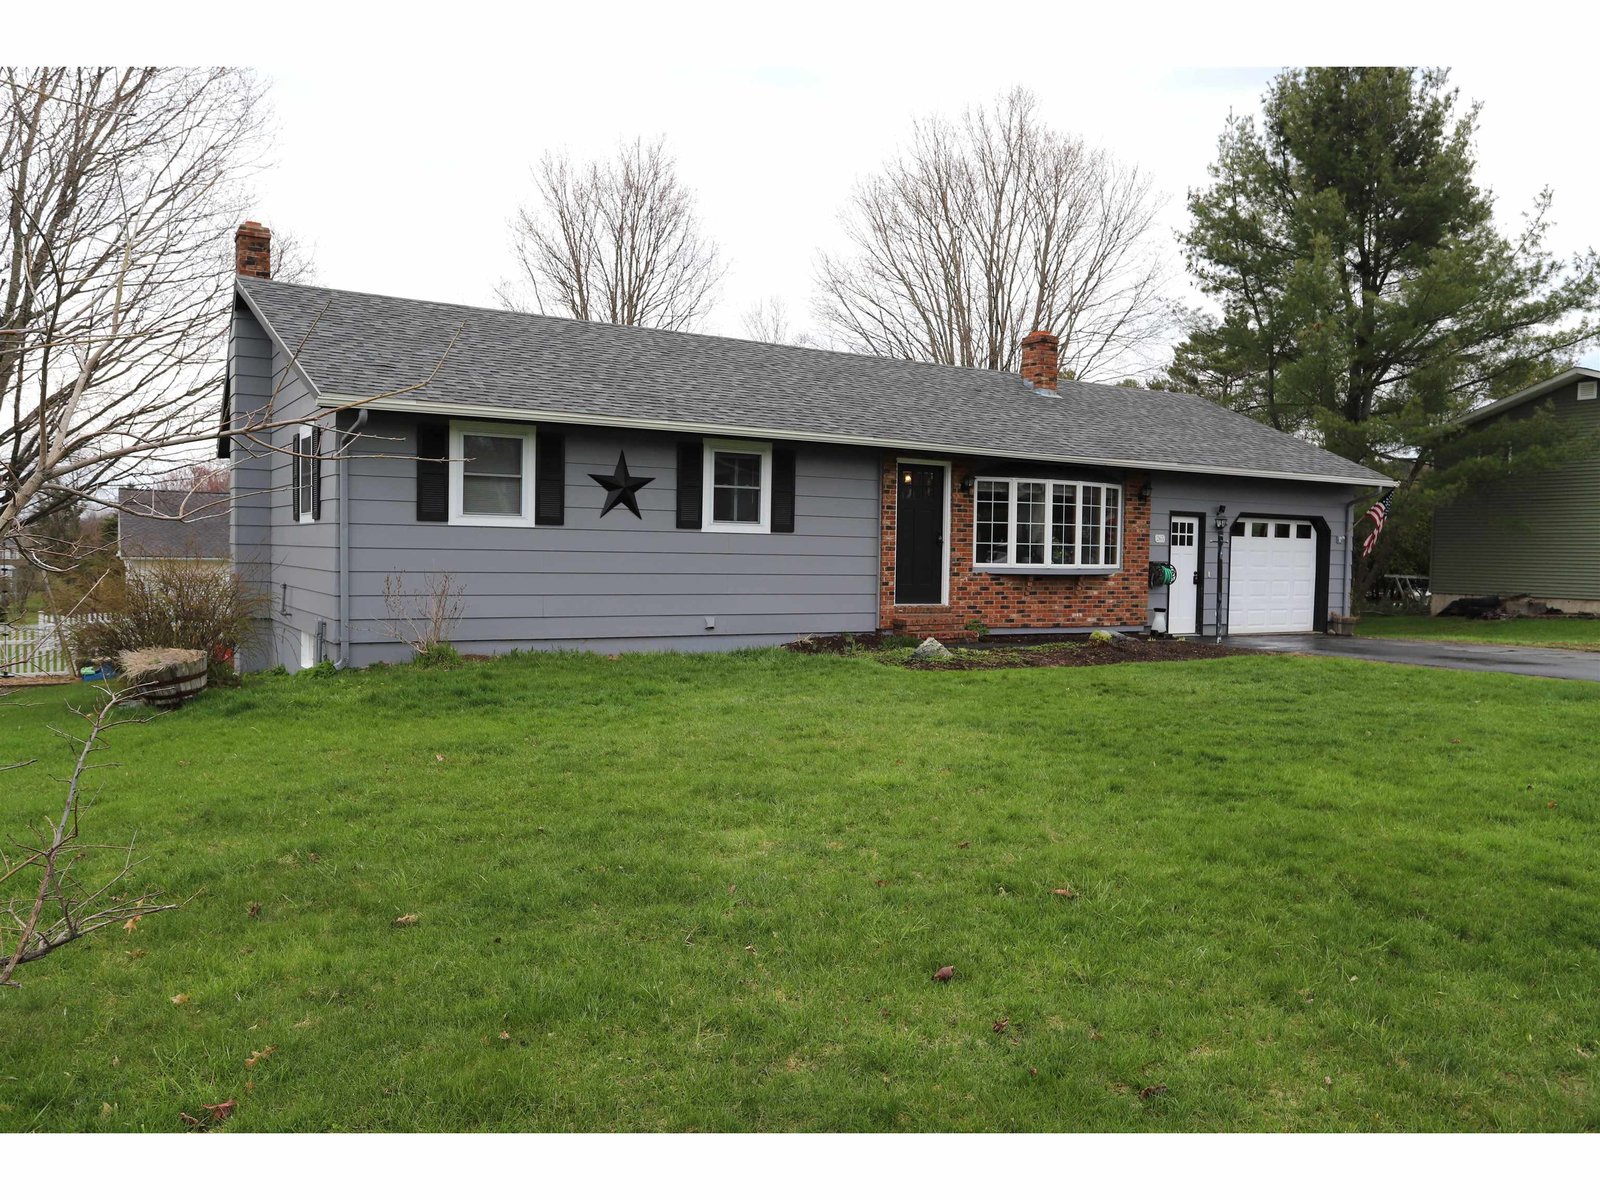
[354,344]
[145,528]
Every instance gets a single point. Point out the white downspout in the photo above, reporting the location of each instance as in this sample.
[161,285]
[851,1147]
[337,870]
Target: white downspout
[343,445]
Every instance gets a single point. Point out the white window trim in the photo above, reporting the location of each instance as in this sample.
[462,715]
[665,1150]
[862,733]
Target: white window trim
[458,430]
[944,585]
[299,462]
[1011,566]
[708,486]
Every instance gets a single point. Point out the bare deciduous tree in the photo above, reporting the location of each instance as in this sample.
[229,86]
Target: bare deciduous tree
[120,188]
[768,321]
[614,241]
[990,227]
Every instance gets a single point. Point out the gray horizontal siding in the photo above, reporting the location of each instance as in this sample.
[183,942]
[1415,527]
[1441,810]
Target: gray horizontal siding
[620,582]
[1538,534]
[272,550]
[1170,493]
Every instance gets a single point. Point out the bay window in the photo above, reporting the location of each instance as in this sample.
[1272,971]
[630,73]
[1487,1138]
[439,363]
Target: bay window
[1050,524]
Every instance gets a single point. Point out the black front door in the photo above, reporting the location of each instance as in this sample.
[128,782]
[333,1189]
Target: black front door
[919,536]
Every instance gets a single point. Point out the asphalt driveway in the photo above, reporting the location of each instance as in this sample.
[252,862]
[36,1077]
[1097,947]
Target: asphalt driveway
[1460,656]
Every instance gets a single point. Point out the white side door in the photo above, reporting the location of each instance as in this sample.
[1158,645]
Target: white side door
[1183,552]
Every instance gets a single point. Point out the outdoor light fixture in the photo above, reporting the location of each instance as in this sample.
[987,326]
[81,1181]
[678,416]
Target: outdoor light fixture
[906,478]
[1221,522]
[966,483]
[1144,492]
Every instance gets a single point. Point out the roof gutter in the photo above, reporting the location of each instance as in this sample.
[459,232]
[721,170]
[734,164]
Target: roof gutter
[491,412]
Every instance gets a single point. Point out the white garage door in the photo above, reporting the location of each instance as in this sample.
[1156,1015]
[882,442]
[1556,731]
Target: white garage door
[1273,564]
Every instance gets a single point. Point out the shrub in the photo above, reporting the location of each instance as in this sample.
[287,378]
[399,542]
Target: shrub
[424,619]
[440,654]
[183,604]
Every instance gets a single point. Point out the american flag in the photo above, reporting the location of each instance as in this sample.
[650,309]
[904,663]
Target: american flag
[1379,513]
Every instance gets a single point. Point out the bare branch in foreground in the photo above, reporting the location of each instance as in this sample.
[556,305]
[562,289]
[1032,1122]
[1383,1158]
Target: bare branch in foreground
[60,906]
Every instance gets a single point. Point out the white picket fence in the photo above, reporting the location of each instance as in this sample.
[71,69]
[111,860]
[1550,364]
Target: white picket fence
[33,650]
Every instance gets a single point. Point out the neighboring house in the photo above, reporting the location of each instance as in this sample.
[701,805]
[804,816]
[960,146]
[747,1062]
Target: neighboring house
[1537,536]
[593,485]
[162,524]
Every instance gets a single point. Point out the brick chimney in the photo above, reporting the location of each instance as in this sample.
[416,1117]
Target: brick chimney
[1040,364]
[252,250]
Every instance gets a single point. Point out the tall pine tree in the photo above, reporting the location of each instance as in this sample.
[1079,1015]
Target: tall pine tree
[1367,298]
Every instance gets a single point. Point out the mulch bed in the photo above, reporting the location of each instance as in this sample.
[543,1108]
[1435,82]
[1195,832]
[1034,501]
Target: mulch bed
[1057,651]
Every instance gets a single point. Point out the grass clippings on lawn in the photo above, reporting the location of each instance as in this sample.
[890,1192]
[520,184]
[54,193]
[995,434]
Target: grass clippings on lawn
[567,892]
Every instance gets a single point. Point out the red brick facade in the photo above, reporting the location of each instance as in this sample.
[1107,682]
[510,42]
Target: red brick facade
[1016,601]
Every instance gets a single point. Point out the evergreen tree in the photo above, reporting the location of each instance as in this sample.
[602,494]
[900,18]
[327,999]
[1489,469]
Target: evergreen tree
[1367,299]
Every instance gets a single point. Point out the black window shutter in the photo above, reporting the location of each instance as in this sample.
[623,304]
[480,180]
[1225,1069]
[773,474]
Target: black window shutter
[782,488]
[315,467]
[433,477]
[690,484]
[550,477]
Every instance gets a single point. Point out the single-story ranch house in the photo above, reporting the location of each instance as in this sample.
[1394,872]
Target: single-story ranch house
[1537,535]
[618,488]
[160,525]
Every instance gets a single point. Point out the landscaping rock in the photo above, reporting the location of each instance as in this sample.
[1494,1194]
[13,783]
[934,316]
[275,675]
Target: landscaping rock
[931,649]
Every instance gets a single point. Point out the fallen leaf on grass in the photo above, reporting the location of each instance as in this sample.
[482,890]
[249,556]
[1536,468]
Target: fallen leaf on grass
[1002,1024]
[1033,1072]
[257,1056]
[1065,892]
[944,974]
[505,1036]
[254,910]
[438,758]
[1155,1089]
[132,923]
[962,845]
[406,919]
[181,998]
[215,1114]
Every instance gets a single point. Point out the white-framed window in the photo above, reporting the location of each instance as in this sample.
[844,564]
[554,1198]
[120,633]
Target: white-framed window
[1051,524]
[491,473]
[738,486]
[305,466]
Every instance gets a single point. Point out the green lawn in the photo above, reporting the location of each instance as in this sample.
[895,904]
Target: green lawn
[1572,633]
[708,892]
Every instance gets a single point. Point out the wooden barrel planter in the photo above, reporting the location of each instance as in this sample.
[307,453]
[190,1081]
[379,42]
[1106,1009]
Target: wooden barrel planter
[163,678]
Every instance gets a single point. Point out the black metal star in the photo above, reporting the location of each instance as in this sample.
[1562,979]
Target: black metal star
[622,488]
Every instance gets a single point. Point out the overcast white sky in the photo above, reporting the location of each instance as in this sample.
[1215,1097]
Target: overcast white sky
[405,133]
